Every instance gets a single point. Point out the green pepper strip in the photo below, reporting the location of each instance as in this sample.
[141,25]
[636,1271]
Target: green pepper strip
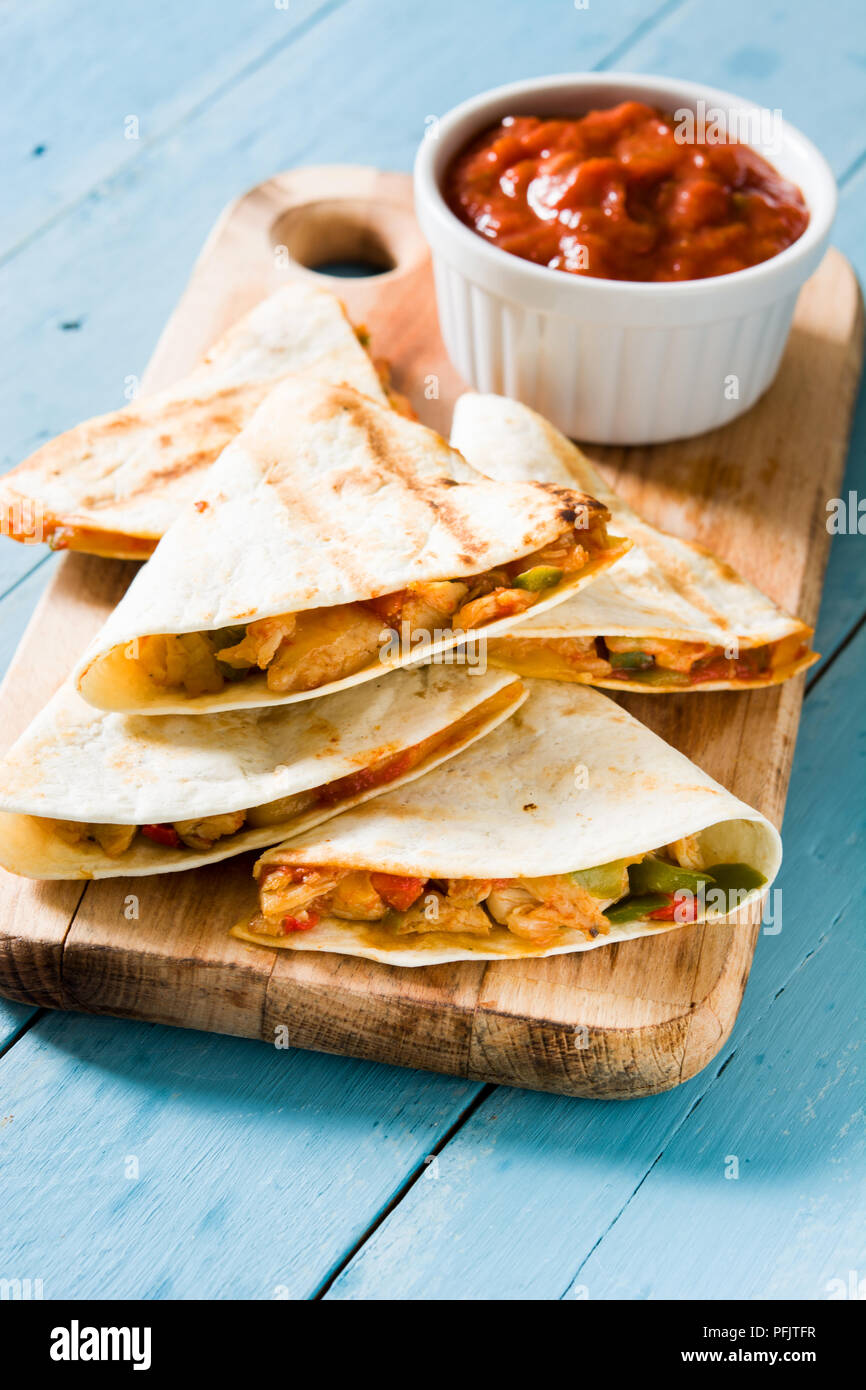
[604,881]
[659,675]
[633,909]
[657,876]
[631,661]
[539,577]
[736,881]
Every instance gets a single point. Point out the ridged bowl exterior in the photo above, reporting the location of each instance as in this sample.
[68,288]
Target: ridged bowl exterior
[605,382]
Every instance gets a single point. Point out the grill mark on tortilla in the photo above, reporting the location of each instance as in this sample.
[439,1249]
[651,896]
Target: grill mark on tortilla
[367,422]
[200,460]
[386,467]
[679,577]
[321,511]
[575,497]
[222,414]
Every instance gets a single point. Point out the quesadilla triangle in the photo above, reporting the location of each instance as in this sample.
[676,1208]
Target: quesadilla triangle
[90,795]
[334,540]
[570,827]
[113,485]
[669,617]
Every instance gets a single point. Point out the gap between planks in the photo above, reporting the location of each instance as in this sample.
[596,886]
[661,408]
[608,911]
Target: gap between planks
[485,1091]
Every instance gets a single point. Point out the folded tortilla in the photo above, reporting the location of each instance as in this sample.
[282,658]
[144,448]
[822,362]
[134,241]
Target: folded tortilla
[679,618]
[113,485]
[328,544]
[520,846]
[91,795]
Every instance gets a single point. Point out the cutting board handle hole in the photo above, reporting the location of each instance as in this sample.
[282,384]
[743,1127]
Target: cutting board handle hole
[347,237]
[349,270]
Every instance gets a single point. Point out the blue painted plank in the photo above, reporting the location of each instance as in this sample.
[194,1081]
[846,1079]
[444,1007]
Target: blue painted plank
[843,601]
[256,1168]
[788,1219]
[780,53]
[78,72]
[531,1183]
[13,1016]
[17,564]
[20,599]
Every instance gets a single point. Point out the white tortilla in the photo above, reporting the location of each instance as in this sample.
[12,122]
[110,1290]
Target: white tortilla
[571,781]
[664,587]
[326,498]
[76,763]
[113,485]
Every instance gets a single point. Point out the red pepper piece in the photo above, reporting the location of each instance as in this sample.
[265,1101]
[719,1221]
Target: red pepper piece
[162,835]
[686,910]
[304,921]
[398,892]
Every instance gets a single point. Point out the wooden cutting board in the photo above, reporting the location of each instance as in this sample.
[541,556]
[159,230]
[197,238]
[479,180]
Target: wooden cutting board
[626,1020]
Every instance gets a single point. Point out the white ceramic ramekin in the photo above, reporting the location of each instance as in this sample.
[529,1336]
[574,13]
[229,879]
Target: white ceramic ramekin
[611,361]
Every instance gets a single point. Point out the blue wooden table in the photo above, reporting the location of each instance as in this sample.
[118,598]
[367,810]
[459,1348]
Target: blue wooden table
[139,1161]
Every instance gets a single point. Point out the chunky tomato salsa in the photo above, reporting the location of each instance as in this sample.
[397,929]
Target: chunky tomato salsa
[614,194]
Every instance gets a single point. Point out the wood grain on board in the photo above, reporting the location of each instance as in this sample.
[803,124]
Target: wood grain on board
[627,1020]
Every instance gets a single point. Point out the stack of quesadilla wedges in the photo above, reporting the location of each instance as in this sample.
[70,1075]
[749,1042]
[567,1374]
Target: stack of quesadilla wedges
[302,663]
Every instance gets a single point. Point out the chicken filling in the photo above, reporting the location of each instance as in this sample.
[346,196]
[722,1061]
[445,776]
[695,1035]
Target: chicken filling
[303,651]
[671,885]
[649,660]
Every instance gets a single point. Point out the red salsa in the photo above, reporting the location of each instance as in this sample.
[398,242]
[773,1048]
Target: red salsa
[615,195]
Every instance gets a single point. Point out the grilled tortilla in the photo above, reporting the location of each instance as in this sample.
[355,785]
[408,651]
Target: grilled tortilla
[669,617]
[113,485]
[570,827]
[91,795]
[333,540]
